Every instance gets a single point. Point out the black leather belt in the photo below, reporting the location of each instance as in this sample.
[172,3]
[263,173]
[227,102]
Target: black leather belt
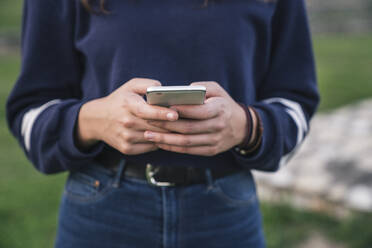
[170,175]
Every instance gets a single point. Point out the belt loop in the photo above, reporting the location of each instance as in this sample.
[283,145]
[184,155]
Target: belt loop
[119,173]
[208,176]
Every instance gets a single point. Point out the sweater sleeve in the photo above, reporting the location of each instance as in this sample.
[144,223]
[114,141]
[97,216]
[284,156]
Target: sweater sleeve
[288,97]
[43,106]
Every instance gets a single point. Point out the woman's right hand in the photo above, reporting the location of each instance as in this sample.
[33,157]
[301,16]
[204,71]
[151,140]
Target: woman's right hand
[120,119]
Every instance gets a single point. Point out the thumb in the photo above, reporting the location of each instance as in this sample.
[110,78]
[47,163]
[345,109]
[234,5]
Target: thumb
[213,88]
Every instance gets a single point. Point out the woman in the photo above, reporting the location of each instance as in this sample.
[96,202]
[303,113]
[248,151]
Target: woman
[149,176]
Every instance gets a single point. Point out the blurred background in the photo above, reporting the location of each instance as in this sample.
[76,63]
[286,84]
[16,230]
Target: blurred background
[321,198]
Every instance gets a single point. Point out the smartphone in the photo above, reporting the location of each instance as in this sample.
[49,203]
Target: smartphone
[175,95]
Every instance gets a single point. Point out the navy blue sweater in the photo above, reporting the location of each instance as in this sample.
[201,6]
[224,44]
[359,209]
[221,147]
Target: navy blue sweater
[259,51]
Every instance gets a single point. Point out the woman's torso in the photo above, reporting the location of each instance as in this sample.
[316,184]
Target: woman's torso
[176,42]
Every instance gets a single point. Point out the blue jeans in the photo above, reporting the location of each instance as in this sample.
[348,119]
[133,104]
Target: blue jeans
[101,209]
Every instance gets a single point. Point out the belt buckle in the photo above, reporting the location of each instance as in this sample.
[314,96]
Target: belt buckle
[150,173]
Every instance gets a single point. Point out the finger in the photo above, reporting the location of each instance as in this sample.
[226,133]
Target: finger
[197,150]
[140,85]
[181,139]
[135,149]
[132,122]
[143,125]
[213,88]
[151,112]
[208,110]
[187,126]
[134,137]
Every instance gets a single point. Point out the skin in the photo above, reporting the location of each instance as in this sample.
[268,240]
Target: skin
[119,119]
[126,122]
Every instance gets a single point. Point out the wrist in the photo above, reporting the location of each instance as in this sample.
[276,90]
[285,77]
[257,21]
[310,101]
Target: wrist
[254,126]
[86,134]
[255,131]
[246,128]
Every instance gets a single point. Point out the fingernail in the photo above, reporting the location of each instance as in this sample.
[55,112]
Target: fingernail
[171,116]
[149,135]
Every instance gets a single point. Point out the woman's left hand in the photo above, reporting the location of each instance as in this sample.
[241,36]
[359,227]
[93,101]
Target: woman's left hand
[214,127]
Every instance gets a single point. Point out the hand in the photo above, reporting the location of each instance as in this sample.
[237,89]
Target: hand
[214,127]
[120,119]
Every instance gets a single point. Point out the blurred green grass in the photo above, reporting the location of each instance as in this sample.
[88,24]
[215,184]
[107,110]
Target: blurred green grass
[286,226]
[344,69]
[29,201]
[10,16]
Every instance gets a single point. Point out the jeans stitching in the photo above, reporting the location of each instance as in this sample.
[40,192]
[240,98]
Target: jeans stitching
[218,190]
[86,179]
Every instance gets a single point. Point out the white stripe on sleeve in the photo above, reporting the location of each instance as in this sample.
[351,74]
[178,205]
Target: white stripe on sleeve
[294,110]
[29,119]
[300,133]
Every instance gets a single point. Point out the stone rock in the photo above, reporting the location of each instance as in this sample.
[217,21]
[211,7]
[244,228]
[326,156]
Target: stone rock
[334,164]
[360,197]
